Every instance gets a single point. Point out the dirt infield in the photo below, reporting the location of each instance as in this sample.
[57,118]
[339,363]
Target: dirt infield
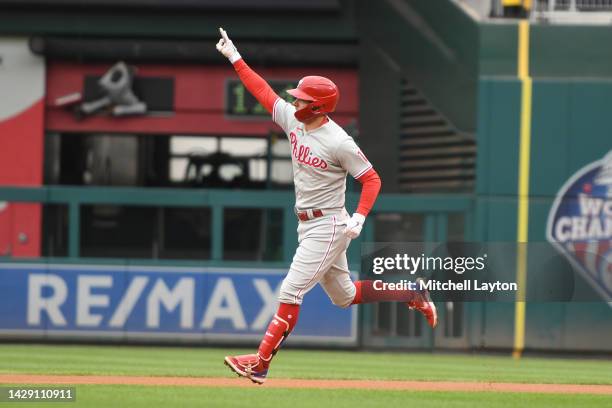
[321,384]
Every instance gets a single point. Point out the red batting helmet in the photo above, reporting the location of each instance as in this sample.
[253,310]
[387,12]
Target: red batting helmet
[322,94]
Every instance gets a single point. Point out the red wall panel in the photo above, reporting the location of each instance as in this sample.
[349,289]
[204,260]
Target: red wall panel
[22,88]
[21,164]
[21,147]
[199,100]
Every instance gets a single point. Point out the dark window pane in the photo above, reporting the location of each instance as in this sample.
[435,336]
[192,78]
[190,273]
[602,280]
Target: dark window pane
[111,231]
[55,230]
[453,319]
[383,318]
[408,321]
[185,233]
[253,234]
[456,227]
[394,227]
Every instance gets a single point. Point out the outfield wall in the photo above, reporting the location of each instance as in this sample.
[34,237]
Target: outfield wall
[570,129]
[128,302]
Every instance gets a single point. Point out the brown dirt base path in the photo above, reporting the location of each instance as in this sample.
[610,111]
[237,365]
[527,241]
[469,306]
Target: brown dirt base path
[321,384]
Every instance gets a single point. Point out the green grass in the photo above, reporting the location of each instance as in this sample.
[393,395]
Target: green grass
[208,362]
[88,396]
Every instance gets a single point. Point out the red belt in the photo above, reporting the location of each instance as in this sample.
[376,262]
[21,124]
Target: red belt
[309,215]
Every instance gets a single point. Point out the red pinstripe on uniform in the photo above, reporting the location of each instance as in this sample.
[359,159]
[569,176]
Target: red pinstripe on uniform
[331,241]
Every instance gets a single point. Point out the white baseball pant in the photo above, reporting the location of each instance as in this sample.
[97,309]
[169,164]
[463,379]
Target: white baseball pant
[320,258]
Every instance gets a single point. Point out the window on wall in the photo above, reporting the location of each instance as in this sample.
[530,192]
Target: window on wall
[130,232]
[112,231]
[55,230]
[453,319]
[99,159]
[259,237]
[454,312]
[230,162]
[109,231]
[175,161]
[395,319]
[182,147]
[143,232]
[409,322]
[184,233]
[396,227]
[456,227]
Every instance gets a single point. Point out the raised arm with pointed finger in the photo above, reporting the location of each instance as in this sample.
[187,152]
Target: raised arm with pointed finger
[255,84]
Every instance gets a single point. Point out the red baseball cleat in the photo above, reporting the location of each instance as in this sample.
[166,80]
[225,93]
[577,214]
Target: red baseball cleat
[424,305]
[249,366]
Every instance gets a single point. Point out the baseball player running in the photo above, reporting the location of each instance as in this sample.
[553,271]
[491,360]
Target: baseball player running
[322,154]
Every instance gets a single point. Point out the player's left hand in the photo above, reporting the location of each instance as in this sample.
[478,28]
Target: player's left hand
[354,225]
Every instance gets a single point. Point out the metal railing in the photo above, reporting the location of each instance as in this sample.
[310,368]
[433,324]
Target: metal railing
[436,207]
[574,5]
[573,11]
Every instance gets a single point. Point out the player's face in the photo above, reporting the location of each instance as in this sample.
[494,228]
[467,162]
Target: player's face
[300,103]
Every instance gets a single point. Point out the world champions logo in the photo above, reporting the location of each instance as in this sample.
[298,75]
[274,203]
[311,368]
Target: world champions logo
[580,223]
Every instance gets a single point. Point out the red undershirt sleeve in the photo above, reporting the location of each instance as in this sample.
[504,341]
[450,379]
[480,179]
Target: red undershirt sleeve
[256,85]
[370,186]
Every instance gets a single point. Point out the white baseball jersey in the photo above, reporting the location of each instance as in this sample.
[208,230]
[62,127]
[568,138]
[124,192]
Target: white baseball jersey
[321,160]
